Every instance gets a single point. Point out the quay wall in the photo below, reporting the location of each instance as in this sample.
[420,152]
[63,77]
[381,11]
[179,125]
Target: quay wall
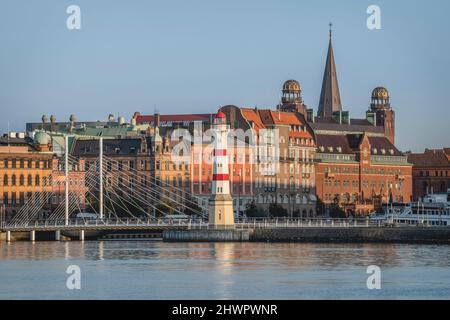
[207,235]
[354,235]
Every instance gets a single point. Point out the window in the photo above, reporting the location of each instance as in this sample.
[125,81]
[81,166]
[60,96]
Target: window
[22,180]
[13,180]
[37,164]
[14,163]
[5,180]
[5,163]
[22,163]
[37,180]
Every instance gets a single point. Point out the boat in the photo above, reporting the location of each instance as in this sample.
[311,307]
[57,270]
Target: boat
[431,210]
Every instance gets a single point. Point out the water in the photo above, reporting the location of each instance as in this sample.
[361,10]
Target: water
[157,270]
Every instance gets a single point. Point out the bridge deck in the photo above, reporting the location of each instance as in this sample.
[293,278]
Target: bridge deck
[181,224]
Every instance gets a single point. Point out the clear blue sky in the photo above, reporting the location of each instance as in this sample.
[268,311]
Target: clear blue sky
[191,56]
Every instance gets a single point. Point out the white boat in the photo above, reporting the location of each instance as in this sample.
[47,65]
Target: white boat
[432,210]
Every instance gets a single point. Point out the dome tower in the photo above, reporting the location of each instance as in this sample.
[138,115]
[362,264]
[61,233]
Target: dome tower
[380,112]
[291,100]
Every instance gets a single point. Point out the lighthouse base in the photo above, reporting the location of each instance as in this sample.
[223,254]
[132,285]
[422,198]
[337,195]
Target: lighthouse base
[221,211]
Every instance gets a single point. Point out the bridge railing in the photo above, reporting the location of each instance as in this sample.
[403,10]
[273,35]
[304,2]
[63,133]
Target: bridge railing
[194,223]
[105,222]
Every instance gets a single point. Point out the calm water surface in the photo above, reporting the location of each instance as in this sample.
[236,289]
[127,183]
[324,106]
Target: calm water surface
[157,270]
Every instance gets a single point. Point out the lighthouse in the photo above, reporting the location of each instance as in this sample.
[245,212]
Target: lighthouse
[221,203]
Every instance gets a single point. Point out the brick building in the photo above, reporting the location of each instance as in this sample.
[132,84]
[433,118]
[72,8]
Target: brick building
[431,172]
[357,166]
[25,170]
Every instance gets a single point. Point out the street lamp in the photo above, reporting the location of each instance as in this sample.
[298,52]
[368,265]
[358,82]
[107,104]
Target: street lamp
[291,188]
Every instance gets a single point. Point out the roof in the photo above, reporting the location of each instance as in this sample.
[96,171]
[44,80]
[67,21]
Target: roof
[13,141]
[265,117]
[349,143]
[110,146]
[149,119]
[431,158]
[252,115]
[330,98]
[333,141]
[356,125]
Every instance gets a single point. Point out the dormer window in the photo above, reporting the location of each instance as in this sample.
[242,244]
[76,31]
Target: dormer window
[322,148]
[375,151]
[339,149]
[383,151]
[330,149]
[391,151]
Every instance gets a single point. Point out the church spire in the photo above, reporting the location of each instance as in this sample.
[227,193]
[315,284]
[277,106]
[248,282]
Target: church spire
[330,98]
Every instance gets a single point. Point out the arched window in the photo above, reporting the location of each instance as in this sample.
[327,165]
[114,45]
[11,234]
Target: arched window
[13,180]
[22,180]
[30,180]
[37,180]
[5,180]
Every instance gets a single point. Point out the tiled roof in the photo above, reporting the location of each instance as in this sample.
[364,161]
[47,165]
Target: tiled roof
[251,115]
[265,117]
[431,158]
[348,144]
[331,143]
[382,143]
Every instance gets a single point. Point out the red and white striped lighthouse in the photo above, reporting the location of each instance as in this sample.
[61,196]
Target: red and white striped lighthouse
[221,202]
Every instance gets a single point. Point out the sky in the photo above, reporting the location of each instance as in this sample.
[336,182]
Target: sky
[193,56]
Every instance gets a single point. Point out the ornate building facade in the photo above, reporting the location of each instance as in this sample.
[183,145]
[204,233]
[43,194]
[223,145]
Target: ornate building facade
[357,164]
[25,171]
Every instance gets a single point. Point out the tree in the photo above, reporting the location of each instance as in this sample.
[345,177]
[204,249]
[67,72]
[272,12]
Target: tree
[320,207]
[276,210]
[192,208]
[92,203]
[253,211]
[165,207]
[337,212]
